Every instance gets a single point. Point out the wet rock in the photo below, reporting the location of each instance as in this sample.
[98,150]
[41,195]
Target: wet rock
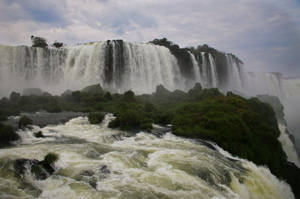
[93,182]
[34,166]
[207,144]
[38,134]
[104,169]
[87,173]
[88,177]
[159,131]
[39,169]
[39,172]
[22,165]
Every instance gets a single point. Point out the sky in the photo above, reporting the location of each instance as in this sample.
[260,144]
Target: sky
[265,34]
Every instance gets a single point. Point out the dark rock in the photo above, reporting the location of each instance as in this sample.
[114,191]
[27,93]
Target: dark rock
[7,135]
[39,172]
[57,44]
[22,165]
[291,173]
[87,173]
[40,169]
[38,134]
[93,182]
[104,169]
[207,144]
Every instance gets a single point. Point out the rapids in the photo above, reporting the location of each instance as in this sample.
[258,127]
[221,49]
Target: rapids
[98,162]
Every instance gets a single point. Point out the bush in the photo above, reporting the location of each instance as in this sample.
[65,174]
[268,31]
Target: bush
[24,121]
[7,135]
[38,42]
[108,96]
[131,120]
[3,116]
[57,44]
[48,163]
[52,108]
[51,158]
[96,117]
[129,96]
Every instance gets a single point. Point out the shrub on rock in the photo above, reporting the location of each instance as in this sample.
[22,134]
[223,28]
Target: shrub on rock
[96,117]
[38,42]
[50,158]
[7,135]
[24,121]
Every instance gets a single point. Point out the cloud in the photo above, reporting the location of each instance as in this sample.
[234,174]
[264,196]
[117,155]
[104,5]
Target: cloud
[263,33]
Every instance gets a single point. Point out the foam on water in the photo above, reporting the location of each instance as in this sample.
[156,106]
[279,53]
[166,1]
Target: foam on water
[97,162]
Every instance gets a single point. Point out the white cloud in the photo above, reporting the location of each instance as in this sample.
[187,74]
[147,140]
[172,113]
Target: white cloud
[255,30]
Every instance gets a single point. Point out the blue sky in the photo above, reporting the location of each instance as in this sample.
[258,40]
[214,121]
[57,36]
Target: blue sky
[265,34]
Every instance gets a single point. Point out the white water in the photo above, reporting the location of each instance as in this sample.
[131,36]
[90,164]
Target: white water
[140,166]
[144,67]
[56,70]
[213,70]
[288,146]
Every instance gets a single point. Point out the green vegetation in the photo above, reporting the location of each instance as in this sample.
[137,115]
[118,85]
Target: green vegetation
[24,121]
[96,117]
[245,128]
[276,105]
[7,135]
[130,119]
[51,158]
[38,42]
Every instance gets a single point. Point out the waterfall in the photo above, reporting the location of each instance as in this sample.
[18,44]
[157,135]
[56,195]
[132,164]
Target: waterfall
[213,71]
[204,71]
[196,69]
[118,66]
[288,146]
[234,77]
[24,66]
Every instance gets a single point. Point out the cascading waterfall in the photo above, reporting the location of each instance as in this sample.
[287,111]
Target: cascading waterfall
[148,66]
[98,162]
[24,66]
[264,84]
[196,70]
[234,79]
[213,71]
[120,66]
[288,146]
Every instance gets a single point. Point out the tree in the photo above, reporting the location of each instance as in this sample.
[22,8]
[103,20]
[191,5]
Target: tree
[129,96]
[38,42]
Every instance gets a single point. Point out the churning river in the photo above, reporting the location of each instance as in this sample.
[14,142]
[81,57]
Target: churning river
[98,162]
